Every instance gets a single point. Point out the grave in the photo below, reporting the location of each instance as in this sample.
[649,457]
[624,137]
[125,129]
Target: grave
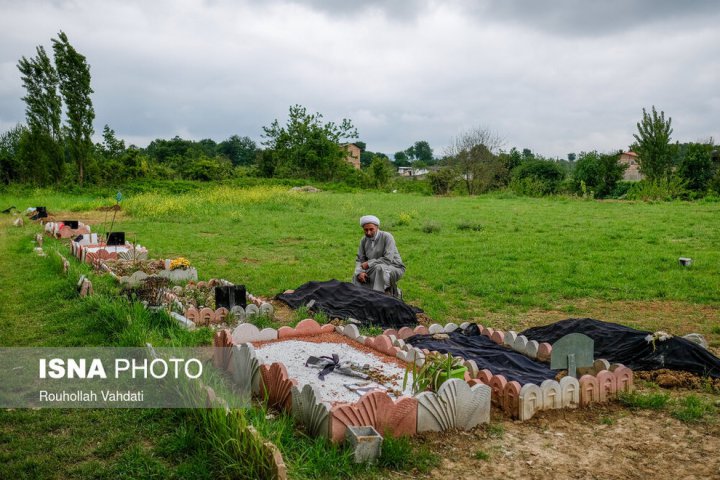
[571,352]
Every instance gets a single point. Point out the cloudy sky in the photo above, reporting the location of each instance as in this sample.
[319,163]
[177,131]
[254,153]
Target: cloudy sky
[555,76]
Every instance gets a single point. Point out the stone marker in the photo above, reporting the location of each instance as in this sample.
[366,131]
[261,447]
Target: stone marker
[251,310]
[455,405]
[572,351]
[238,313]
[310,412]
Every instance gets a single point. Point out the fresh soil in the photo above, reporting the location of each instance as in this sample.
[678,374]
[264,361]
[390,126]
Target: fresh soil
[602,442]
[674,379]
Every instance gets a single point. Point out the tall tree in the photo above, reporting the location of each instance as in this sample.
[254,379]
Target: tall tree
[41,144]
[420,151]
[74,74]
[401,159]
[653,144]
[111,147]
[474,154]
[240,150]
[306,146]
[11,168]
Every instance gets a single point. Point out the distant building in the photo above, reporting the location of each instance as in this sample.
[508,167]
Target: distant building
[353,154]
[412,172]
[632,173]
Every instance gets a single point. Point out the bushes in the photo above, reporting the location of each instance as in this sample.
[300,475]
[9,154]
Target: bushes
[598,173]
[535,178]
[659,189]
[443,181]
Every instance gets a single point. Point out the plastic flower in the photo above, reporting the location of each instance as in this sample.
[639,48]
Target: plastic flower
[179,263]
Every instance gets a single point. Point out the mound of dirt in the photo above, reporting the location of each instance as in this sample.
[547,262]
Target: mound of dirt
[677,379]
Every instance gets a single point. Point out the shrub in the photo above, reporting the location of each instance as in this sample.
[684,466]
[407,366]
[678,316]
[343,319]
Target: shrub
[530,187]
[467,225]
[660,189]
[431,227]
[621,189]
[443,181]
[535,178]
[599,173]
[404,219]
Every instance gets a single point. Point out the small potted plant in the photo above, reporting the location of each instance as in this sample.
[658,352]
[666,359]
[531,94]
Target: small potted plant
[437,369]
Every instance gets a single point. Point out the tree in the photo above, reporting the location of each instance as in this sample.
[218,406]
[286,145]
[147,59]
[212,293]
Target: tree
[307,147]
[695,165]
[598,172]
[474,154]
[366,157]
[381,171]
[653,145]
[74,76]
[11,168]
[41,143]
[420,151]
[443,180]
[240,150]
[401,159]
[537,177]
[111,147]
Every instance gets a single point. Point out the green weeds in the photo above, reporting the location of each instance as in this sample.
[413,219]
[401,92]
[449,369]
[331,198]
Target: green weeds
[693,408]
[649,400]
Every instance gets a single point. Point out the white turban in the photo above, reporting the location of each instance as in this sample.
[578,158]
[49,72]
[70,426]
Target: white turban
[369,219]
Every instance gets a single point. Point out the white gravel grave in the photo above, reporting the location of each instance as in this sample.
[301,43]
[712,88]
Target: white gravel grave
[294,353]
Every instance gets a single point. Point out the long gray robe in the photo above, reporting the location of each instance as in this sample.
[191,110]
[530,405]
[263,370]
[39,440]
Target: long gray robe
[385,267]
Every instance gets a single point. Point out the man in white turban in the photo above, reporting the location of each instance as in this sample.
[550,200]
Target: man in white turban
[378,264]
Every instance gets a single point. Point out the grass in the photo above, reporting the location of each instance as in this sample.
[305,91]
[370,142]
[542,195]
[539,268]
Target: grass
[495,430]
[694,408]
[194,443]
[646,400]
[482,455]
[531,253]
[689,408]
[499,256]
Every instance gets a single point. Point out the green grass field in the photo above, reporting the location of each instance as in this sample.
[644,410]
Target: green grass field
[482,255]
[500,260]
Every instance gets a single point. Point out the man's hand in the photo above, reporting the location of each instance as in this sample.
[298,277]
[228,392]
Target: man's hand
[362,277]
[365,265]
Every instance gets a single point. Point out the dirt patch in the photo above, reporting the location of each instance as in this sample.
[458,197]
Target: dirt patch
[95,218]
[675,379]
[606,442]
[109,208]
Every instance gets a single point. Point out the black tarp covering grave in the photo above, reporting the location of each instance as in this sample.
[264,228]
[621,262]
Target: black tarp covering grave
[344,300]
[500,360]
[620,344]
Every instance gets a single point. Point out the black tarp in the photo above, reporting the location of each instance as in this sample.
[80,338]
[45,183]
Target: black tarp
[620,344]
[500,360]
[344,300]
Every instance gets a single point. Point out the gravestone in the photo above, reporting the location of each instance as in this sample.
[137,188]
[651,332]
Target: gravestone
[573,351]
[230,296]
[116,238]
[73,224]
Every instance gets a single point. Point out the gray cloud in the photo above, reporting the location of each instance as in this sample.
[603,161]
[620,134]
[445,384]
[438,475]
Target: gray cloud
[570,77]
